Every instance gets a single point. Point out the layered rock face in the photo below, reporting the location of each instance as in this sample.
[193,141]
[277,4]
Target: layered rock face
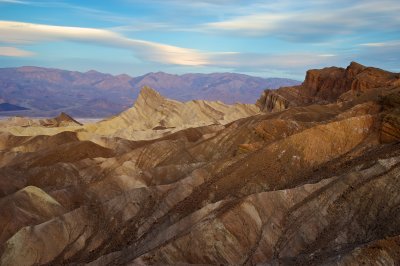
[391,118]
[327,86]
[311,184]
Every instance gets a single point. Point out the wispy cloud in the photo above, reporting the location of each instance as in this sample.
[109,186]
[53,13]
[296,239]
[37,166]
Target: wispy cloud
[387,53]
[395,43]
[22,33]
[97,14]
[313,21]
[374,44]
[13,2]
[26,33]
[254,61]
[14,52]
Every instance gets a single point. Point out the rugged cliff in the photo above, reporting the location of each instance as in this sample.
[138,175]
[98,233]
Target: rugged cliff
[328,85]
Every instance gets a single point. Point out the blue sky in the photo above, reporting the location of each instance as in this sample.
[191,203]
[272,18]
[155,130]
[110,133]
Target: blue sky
[264,38]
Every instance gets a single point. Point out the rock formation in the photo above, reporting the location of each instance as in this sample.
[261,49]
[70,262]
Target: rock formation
[316,182]
[391,118]
[328,85]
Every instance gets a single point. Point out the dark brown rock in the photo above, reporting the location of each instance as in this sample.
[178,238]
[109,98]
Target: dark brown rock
[328,85]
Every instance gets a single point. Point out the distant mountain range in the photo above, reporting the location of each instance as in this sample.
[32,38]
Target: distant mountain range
[47,92]
[11,107]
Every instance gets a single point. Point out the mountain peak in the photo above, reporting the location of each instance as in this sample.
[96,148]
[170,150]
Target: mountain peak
[356,67]
[146,91]
[92,71]
[148,96]
[64,118]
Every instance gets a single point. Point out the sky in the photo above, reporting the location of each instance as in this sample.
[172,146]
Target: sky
[262,38]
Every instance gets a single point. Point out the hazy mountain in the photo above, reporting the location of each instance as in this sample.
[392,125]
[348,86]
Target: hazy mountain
[48,92]
[6,107]
[226,87]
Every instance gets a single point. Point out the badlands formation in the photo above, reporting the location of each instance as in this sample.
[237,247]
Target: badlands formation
[310,175]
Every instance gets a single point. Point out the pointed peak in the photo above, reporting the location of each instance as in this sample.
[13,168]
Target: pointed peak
[355,65]
[148,95]
[147,91]
[354,69]
[64,117]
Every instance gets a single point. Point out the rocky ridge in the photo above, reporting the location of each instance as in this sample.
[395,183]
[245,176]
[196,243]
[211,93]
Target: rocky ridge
[327,86]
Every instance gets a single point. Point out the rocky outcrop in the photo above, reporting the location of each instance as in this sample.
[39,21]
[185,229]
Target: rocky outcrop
[272,102]
[384,251]
[390,128]
[63,120]
[329,85]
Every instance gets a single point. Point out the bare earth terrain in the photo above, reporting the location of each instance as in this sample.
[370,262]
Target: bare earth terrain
[309,175]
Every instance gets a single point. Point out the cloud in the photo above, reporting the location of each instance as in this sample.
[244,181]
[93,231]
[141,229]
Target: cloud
[14,52]
[12,2]
[290,65]
[313,21]
[394,43]
[27,33]
[254,61]
[387,53]
[192,3]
